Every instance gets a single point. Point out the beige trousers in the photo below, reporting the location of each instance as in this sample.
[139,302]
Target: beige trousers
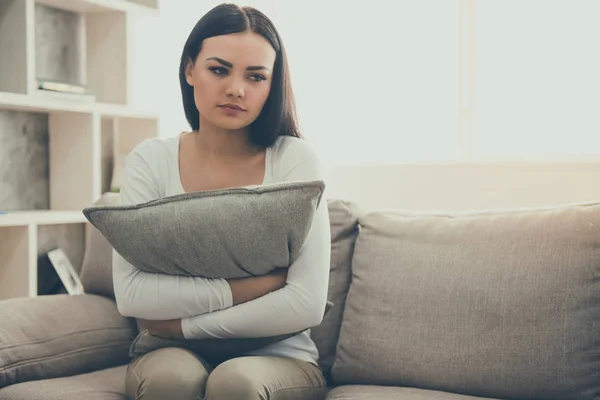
[178,374]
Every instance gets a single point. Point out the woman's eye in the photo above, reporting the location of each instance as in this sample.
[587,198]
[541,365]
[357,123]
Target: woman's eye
[258,77]
[218,70]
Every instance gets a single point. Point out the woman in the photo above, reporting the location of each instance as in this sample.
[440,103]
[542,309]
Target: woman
[239,103]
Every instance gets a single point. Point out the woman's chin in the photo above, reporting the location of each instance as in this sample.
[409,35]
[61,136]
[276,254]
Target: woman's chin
[230,124]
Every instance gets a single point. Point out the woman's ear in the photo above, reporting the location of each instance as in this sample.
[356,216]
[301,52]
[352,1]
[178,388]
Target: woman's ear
[189,67]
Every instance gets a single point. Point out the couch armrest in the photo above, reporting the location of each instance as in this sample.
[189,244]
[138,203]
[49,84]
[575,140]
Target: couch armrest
[61,335]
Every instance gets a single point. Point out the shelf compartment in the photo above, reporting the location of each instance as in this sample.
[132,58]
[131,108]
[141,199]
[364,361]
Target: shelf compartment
[69,237]
[24,163]
[106,60]
[34,234]
[74,149]
[16,55]
[18,261]
[87,51]
[59,38]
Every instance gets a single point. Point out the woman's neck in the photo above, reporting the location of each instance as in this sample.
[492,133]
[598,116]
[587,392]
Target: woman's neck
[217,143]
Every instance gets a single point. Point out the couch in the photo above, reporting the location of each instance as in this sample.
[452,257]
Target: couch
[487,304]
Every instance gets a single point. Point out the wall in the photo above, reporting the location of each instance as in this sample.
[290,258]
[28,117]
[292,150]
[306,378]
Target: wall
[413,186]
[456,187]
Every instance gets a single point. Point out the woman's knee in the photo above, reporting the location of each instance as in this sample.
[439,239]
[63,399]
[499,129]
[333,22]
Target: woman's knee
[167,374]
[231,381]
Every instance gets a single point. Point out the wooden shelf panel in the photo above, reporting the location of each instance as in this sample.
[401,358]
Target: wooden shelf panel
[94,6]
[16,52]
[18,277]
[41,217]
[43,103]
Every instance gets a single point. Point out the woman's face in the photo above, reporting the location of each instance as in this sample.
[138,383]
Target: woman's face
[232,79]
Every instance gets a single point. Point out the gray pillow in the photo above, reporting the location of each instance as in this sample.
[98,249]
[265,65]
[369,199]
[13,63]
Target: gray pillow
[214,351]
[226,233]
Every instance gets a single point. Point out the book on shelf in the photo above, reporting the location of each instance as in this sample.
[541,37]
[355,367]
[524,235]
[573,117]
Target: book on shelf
[62,90]
[56,274]
[48,281]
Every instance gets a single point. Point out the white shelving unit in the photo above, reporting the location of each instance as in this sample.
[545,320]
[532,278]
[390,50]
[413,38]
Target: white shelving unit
[76,126]
[139,7]
[41,217]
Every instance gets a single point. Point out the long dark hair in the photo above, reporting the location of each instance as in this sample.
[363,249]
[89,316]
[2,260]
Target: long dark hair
[278,116]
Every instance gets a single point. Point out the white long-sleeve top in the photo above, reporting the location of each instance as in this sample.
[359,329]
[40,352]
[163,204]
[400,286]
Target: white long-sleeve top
[205,305]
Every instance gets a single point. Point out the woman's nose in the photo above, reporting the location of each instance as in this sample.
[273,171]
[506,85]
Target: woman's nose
[235,89]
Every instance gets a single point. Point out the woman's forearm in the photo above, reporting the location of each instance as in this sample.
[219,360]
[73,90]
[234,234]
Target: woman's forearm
[153,296]
[247,289]
[243,290]
[162,297]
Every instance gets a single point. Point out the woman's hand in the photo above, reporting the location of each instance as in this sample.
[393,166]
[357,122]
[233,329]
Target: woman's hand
[170,329]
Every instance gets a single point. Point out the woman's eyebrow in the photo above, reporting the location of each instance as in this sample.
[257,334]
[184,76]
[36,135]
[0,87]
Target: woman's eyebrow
[230,65]
[257,68]
[221,61]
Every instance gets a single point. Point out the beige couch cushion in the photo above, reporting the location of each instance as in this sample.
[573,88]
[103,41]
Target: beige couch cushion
[343,216]
[96,271]
[496,304]
[60,335]
[107,384]
[358,392]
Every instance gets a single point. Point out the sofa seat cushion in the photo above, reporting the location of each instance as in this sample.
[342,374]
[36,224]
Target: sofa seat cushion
[365,392]
[107,384]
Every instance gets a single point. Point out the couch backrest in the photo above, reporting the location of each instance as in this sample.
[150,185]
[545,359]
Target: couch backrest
[343,216]
[499,304]
[96,270]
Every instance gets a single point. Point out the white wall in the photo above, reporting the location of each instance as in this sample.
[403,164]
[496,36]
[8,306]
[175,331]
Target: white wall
[373,94]
[457,187]
[378,94]
[536,78]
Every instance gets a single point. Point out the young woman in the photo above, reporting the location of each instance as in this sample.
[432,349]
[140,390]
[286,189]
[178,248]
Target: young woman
[239,103]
